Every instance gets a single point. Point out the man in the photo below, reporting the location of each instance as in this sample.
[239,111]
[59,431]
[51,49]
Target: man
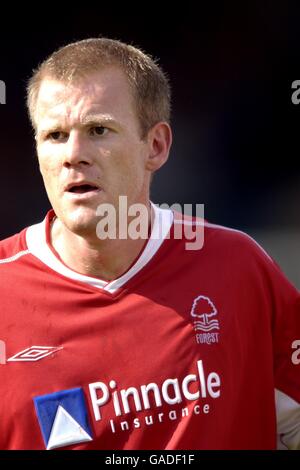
[125,342]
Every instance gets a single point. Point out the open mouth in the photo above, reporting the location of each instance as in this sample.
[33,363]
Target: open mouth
[82,189]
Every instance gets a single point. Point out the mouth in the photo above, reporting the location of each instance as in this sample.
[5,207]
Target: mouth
[82,189]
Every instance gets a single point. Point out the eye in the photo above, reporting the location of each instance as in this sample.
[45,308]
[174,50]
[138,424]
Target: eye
[56,135]
[98,130]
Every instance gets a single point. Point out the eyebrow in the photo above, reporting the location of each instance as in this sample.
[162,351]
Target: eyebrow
[96,118]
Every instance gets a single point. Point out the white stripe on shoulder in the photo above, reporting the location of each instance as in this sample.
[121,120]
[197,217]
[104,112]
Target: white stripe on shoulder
[221,227]
[192,223]
[14,257]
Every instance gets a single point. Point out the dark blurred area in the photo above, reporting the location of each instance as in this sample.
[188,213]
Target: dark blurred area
[231,67]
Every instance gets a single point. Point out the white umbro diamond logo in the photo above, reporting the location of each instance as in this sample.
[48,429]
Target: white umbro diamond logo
[35,353]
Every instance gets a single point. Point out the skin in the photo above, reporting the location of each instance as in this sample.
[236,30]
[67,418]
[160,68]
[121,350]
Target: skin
[88,131]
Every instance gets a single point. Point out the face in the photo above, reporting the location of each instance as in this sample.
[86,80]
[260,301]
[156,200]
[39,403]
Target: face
[89,146]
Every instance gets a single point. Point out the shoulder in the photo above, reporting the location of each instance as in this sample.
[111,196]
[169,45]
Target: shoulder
[234,241]
[230,251]
[14,247]
[217,238]
[248,259]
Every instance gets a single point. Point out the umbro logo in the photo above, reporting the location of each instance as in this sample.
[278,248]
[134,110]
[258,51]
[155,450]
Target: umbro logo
[32,354]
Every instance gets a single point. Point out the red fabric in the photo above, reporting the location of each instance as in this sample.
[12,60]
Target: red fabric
[144,333]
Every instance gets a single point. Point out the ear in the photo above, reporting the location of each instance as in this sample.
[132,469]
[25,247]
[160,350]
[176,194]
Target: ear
[159,141]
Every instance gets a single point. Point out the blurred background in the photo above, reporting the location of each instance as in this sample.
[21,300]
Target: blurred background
[231,65]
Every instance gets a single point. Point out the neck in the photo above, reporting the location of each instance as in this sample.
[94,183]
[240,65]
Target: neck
[104,259]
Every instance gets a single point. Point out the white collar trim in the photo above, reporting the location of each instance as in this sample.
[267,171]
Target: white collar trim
[37,245]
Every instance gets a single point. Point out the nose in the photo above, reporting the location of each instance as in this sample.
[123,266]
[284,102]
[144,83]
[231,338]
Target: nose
[76,151]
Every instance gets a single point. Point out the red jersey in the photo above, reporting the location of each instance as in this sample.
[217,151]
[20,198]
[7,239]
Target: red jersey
[184,351]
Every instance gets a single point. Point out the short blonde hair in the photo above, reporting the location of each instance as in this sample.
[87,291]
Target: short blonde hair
[149,84]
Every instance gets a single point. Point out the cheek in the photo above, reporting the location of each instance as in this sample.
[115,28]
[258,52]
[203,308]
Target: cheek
[49,166]
[47,171]
[130,163]
[50,177]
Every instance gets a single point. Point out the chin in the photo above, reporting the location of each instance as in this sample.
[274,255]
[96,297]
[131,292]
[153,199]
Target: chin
[82,222]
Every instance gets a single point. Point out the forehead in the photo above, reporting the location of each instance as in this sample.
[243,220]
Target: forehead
[106,92]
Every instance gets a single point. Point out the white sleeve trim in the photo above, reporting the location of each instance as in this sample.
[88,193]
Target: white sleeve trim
[14,257]
[288,421]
